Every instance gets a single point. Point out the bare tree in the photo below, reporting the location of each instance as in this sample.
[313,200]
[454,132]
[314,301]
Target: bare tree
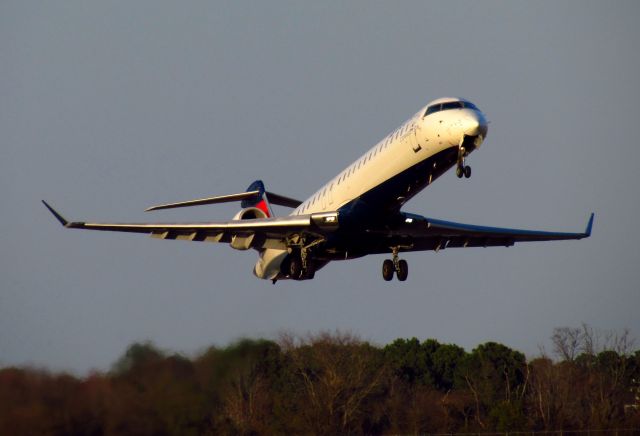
[595,368]
[567,342]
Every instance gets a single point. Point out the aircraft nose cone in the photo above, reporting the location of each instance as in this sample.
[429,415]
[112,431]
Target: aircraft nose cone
[476,125]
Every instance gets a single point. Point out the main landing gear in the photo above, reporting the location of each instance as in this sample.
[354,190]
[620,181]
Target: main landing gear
[299,267]
[399,266]
[299,264]
[295,266]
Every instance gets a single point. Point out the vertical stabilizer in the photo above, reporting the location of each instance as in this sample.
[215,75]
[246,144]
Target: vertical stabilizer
[261,201]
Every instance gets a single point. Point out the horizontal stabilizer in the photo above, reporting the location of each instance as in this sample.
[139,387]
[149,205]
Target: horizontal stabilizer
[281,200]
[211,200]
[273,198]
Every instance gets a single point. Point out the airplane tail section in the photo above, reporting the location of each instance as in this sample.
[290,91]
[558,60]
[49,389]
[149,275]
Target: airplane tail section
[254,196]
[260,200]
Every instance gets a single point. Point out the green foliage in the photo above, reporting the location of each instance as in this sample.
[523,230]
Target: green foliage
[507,416]
[446,360]
[428,363]
[409,361]
[493,371]
[137,355]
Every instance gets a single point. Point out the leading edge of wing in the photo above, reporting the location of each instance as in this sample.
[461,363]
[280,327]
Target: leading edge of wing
[516,234]
[260,224]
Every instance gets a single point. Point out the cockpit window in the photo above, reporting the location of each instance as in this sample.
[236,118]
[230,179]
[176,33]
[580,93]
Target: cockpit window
[452,105]
[449,105]
[432,109]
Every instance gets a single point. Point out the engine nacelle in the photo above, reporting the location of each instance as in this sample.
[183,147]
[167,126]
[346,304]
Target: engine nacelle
[250,213]
[269,263]
[243,242]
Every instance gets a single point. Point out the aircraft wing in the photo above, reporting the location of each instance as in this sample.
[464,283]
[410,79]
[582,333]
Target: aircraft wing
[241,234]
[423,233]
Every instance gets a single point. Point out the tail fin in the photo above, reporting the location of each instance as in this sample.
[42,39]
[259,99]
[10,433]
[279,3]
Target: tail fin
[260,201]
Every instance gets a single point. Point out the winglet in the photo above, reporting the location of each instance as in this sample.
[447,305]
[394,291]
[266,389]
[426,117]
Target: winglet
[587,232]
[59,217]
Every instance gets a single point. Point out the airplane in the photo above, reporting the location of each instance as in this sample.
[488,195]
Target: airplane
[358,212]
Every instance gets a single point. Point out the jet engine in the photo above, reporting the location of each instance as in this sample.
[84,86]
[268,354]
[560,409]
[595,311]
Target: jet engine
[246,241]
[249,213]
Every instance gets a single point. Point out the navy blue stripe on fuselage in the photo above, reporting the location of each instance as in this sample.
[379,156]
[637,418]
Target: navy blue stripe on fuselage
[379,208]
[386,199]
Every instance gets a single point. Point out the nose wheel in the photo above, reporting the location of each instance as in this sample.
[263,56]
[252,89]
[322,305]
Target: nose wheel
[399,266]
[462,169]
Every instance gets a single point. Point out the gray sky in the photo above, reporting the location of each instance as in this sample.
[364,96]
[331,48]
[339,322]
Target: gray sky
[109,107]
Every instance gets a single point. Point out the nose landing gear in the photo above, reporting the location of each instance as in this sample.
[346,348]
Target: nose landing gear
[462,169]
[463,152]
[399,266]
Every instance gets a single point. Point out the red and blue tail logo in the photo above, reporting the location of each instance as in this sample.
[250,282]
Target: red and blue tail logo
[260,201]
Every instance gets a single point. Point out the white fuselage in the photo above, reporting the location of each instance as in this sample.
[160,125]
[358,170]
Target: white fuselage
[419,138]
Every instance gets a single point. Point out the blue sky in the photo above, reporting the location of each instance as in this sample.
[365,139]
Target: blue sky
[108,108]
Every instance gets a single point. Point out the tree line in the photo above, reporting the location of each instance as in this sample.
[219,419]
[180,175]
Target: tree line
[335,383]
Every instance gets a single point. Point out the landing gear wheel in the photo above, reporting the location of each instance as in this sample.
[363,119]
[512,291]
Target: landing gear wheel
[460,172]
[403,270]
[467,172]
[295,267]
[387,270]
